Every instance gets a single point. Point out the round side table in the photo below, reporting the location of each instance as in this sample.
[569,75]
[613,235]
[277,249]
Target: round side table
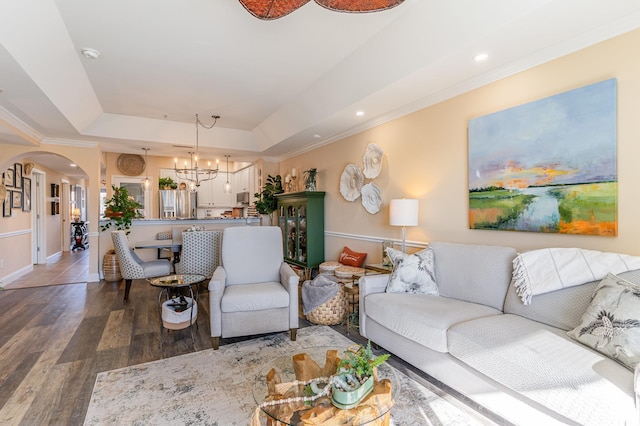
[169,284]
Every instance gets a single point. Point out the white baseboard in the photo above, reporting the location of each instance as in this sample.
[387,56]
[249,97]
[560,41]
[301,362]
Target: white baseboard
[15,275]
[54,255]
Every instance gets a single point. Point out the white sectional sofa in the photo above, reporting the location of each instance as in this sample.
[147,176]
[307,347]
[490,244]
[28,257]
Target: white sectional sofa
[478,338]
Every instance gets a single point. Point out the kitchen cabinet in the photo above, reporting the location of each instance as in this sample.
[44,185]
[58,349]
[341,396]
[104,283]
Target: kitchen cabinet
[301,220]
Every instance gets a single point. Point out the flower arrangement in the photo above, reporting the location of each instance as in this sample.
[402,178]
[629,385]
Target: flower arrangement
[121,208]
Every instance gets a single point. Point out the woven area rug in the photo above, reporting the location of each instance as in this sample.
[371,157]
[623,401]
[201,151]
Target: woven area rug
[214,387]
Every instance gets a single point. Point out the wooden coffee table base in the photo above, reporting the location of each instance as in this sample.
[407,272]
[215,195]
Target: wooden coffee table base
[322,411]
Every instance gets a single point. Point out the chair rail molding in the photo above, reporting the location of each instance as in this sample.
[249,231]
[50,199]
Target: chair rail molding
[373,239]
[15,233]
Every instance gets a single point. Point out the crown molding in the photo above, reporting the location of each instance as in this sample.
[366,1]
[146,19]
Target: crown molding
[70,142]
[20,127]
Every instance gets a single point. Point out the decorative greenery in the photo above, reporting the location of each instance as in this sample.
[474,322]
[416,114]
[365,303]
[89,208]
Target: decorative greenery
[121,208]
[167,182]
[267,202]
[361,362]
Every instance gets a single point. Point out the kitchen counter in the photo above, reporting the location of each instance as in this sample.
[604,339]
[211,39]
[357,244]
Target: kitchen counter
[177,222]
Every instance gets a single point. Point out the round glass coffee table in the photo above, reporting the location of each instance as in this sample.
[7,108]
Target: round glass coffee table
[273,385]
[181,318]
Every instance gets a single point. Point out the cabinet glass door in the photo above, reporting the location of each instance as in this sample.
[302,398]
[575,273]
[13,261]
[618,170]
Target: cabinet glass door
[302,234]
[292,233]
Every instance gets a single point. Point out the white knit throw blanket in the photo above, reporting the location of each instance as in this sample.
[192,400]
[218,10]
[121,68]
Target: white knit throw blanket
[541,271]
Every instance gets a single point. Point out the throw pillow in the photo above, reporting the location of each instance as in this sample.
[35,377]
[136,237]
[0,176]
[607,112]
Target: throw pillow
[412,273]
[611,324]
[351,258]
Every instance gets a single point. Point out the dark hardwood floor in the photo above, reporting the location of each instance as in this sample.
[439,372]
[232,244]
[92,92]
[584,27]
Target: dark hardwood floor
[54,340]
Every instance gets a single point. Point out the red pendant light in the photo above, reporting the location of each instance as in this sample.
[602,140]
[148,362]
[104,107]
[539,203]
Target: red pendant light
[274,9]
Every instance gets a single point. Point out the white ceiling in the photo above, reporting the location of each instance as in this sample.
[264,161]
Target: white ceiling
[281,87]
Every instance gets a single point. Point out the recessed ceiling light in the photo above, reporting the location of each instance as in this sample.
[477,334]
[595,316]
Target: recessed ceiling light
[317,136]
[481,57]
[360,113]
[90,53]
[73,165]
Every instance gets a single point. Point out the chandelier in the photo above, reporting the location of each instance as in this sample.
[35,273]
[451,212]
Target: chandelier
[194,174]
[274,9]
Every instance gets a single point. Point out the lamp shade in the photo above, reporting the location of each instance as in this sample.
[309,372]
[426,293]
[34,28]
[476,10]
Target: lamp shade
[403,212]
[76,212]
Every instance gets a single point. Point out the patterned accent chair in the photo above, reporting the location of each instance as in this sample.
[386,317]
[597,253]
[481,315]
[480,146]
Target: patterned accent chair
[134,268]
[200,253]
[253,291]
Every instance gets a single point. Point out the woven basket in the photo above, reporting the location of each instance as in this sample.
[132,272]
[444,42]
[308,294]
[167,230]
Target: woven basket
[111,267]
[331,312]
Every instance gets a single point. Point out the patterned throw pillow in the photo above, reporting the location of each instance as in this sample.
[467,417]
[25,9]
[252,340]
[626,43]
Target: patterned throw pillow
[412,273]
[351,258]
[611,324]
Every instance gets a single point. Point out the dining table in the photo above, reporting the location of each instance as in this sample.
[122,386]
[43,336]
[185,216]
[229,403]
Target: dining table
[162,244]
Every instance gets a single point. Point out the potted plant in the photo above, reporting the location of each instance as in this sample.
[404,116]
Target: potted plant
[121,208]
[267,202]
[167,183]
[355,376]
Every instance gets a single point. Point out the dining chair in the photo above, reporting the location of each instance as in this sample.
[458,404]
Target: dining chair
[200,253]
[134,268]
[164,235]
[253,291]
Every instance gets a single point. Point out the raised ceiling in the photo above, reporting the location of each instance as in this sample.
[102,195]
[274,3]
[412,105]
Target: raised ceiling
[282,86]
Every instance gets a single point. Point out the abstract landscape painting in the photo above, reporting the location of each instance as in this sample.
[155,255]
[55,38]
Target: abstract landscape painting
[547,166]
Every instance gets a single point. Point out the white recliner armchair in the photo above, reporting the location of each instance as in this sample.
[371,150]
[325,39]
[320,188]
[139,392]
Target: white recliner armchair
[253,291]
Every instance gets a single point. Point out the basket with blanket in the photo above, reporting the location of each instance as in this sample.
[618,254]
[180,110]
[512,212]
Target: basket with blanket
[324,300]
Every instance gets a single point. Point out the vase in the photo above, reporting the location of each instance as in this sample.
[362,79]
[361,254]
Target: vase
[266,220]
[349,399]
[111,267]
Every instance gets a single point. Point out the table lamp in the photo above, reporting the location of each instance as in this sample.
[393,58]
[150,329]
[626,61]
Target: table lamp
[403,212]
[76,214]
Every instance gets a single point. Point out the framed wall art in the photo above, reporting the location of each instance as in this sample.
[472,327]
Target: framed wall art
[547,166]
[17,180]
[26,194]
[6,205]
[16,199]
[9,177]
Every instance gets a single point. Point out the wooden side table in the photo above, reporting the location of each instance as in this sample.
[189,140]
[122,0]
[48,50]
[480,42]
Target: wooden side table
[352,291]
[353,304]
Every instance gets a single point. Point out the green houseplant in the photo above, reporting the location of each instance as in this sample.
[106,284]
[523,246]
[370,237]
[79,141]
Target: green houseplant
[121,208]
[267,202]
[355,375]
[167,183]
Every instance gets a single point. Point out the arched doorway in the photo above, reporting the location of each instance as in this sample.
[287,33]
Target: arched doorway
[37,213]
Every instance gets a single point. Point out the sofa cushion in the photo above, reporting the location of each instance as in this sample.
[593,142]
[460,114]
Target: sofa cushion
[254,297]
[542,363]
[412,273]
[423,318]
[562,308]
[473,273]
[611,323]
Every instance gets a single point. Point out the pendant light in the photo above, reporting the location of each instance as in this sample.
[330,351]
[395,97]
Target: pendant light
[146,168]
[227,185]
[192,173]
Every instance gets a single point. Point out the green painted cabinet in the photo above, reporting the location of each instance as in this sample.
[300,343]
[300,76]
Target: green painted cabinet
[301,219]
